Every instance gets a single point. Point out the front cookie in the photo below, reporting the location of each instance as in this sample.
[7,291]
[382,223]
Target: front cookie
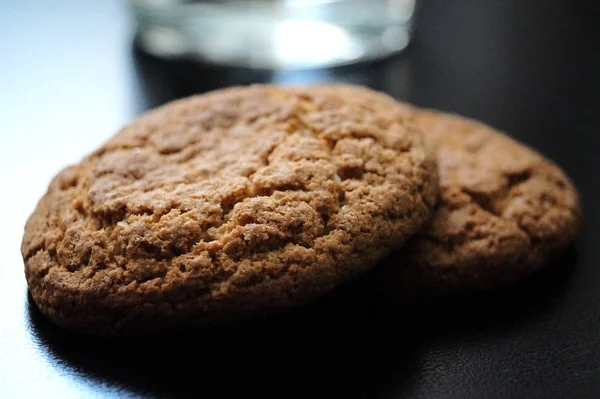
[227,205]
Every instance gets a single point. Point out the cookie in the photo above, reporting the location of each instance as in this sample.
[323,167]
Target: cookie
[225,206]
[503,211]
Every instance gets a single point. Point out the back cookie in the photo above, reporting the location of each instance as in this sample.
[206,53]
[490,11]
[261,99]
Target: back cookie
[503,212]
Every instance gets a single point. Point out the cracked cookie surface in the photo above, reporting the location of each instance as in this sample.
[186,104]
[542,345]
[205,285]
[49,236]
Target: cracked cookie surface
[226,205]
[503,211]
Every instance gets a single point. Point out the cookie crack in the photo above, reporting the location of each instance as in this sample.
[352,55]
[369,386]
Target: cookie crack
[483,201]
[34,251]
[516,178]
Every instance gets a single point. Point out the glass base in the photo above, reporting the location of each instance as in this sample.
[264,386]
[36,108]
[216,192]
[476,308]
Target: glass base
[274,34]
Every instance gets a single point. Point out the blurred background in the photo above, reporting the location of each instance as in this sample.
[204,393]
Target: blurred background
[274,34]
[72,72]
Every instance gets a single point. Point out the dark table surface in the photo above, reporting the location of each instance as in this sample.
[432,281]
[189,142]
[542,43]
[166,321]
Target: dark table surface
[69,77]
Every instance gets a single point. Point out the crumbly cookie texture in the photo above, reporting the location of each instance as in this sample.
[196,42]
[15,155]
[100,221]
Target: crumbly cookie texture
[503,212]
[227,205]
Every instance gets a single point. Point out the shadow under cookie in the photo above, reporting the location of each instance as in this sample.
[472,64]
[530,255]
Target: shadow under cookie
[350,343]
[521,301]
[314,350]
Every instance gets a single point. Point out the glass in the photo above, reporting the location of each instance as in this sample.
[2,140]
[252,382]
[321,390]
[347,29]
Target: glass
[274,34]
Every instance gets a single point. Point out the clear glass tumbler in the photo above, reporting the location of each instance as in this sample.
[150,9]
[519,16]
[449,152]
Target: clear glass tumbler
[274,34]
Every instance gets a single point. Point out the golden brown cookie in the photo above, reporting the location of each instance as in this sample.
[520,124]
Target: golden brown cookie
[227,205]
[503,211]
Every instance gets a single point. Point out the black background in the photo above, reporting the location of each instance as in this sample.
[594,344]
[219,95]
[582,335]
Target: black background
[69,76]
